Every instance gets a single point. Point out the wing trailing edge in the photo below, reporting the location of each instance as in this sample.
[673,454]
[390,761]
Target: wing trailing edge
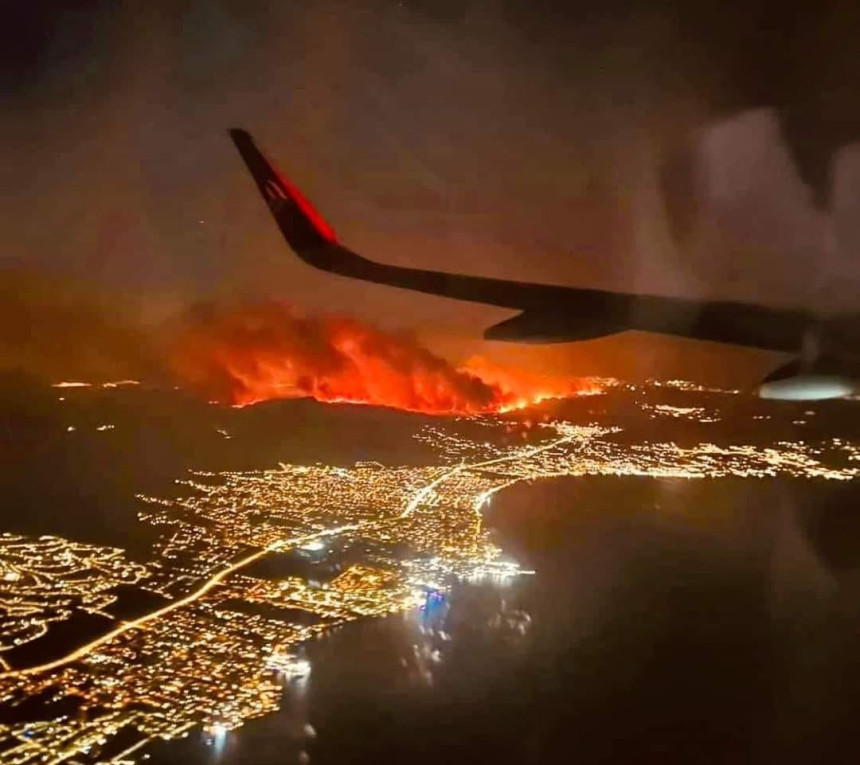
[548,313]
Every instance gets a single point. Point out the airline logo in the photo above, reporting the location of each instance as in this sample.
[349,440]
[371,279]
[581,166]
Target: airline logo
[275,195]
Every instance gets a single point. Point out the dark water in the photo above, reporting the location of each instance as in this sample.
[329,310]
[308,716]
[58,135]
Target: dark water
[669,621]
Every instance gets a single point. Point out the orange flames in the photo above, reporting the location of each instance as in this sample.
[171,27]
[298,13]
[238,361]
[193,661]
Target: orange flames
[256,353]
[523,388]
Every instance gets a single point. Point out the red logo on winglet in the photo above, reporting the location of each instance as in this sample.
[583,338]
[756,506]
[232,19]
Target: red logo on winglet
[283,189]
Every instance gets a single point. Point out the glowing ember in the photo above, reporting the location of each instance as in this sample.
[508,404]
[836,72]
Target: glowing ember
[256,353]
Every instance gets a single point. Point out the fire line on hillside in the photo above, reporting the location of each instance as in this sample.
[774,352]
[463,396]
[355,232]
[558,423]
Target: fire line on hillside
[247,354]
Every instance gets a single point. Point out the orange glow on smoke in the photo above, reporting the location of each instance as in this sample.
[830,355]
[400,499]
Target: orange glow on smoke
[526,388]
[256,353]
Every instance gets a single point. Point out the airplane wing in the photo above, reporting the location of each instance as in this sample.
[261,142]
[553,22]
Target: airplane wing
[548,313]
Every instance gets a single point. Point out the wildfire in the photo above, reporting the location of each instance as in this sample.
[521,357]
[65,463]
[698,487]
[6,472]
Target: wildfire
[526,388]
[256,353]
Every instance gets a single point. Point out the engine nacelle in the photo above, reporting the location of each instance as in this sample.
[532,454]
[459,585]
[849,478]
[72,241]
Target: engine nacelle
[793,383]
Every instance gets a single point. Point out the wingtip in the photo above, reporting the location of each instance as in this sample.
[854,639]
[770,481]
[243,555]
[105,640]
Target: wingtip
[270,181]
[240,136]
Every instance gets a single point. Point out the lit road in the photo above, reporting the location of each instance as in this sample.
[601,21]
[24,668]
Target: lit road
[124,627]
[226,523]
[426,491]
[417,499]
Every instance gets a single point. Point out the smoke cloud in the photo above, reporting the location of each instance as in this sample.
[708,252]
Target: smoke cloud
[246,354]
[59,330]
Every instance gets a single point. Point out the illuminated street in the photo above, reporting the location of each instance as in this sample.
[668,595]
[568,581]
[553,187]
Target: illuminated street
[212,655]
[429,382]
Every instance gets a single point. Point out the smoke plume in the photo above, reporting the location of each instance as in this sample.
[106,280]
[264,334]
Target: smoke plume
[54,330]
[246,354]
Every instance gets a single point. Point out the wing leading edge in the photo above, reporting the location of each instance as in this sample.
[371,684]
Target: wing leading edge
[549,313]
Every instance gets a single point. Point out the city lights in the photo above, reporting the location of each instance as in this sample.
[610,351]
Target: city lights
[220,648]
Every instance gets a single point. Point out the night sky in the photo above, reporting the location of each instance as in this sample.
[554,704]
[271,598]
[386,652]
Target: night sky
[698,151]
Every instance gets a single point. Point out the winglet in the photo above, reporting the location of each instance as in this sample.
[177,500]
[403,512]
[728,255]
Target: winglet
[314,241]
[303,227]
